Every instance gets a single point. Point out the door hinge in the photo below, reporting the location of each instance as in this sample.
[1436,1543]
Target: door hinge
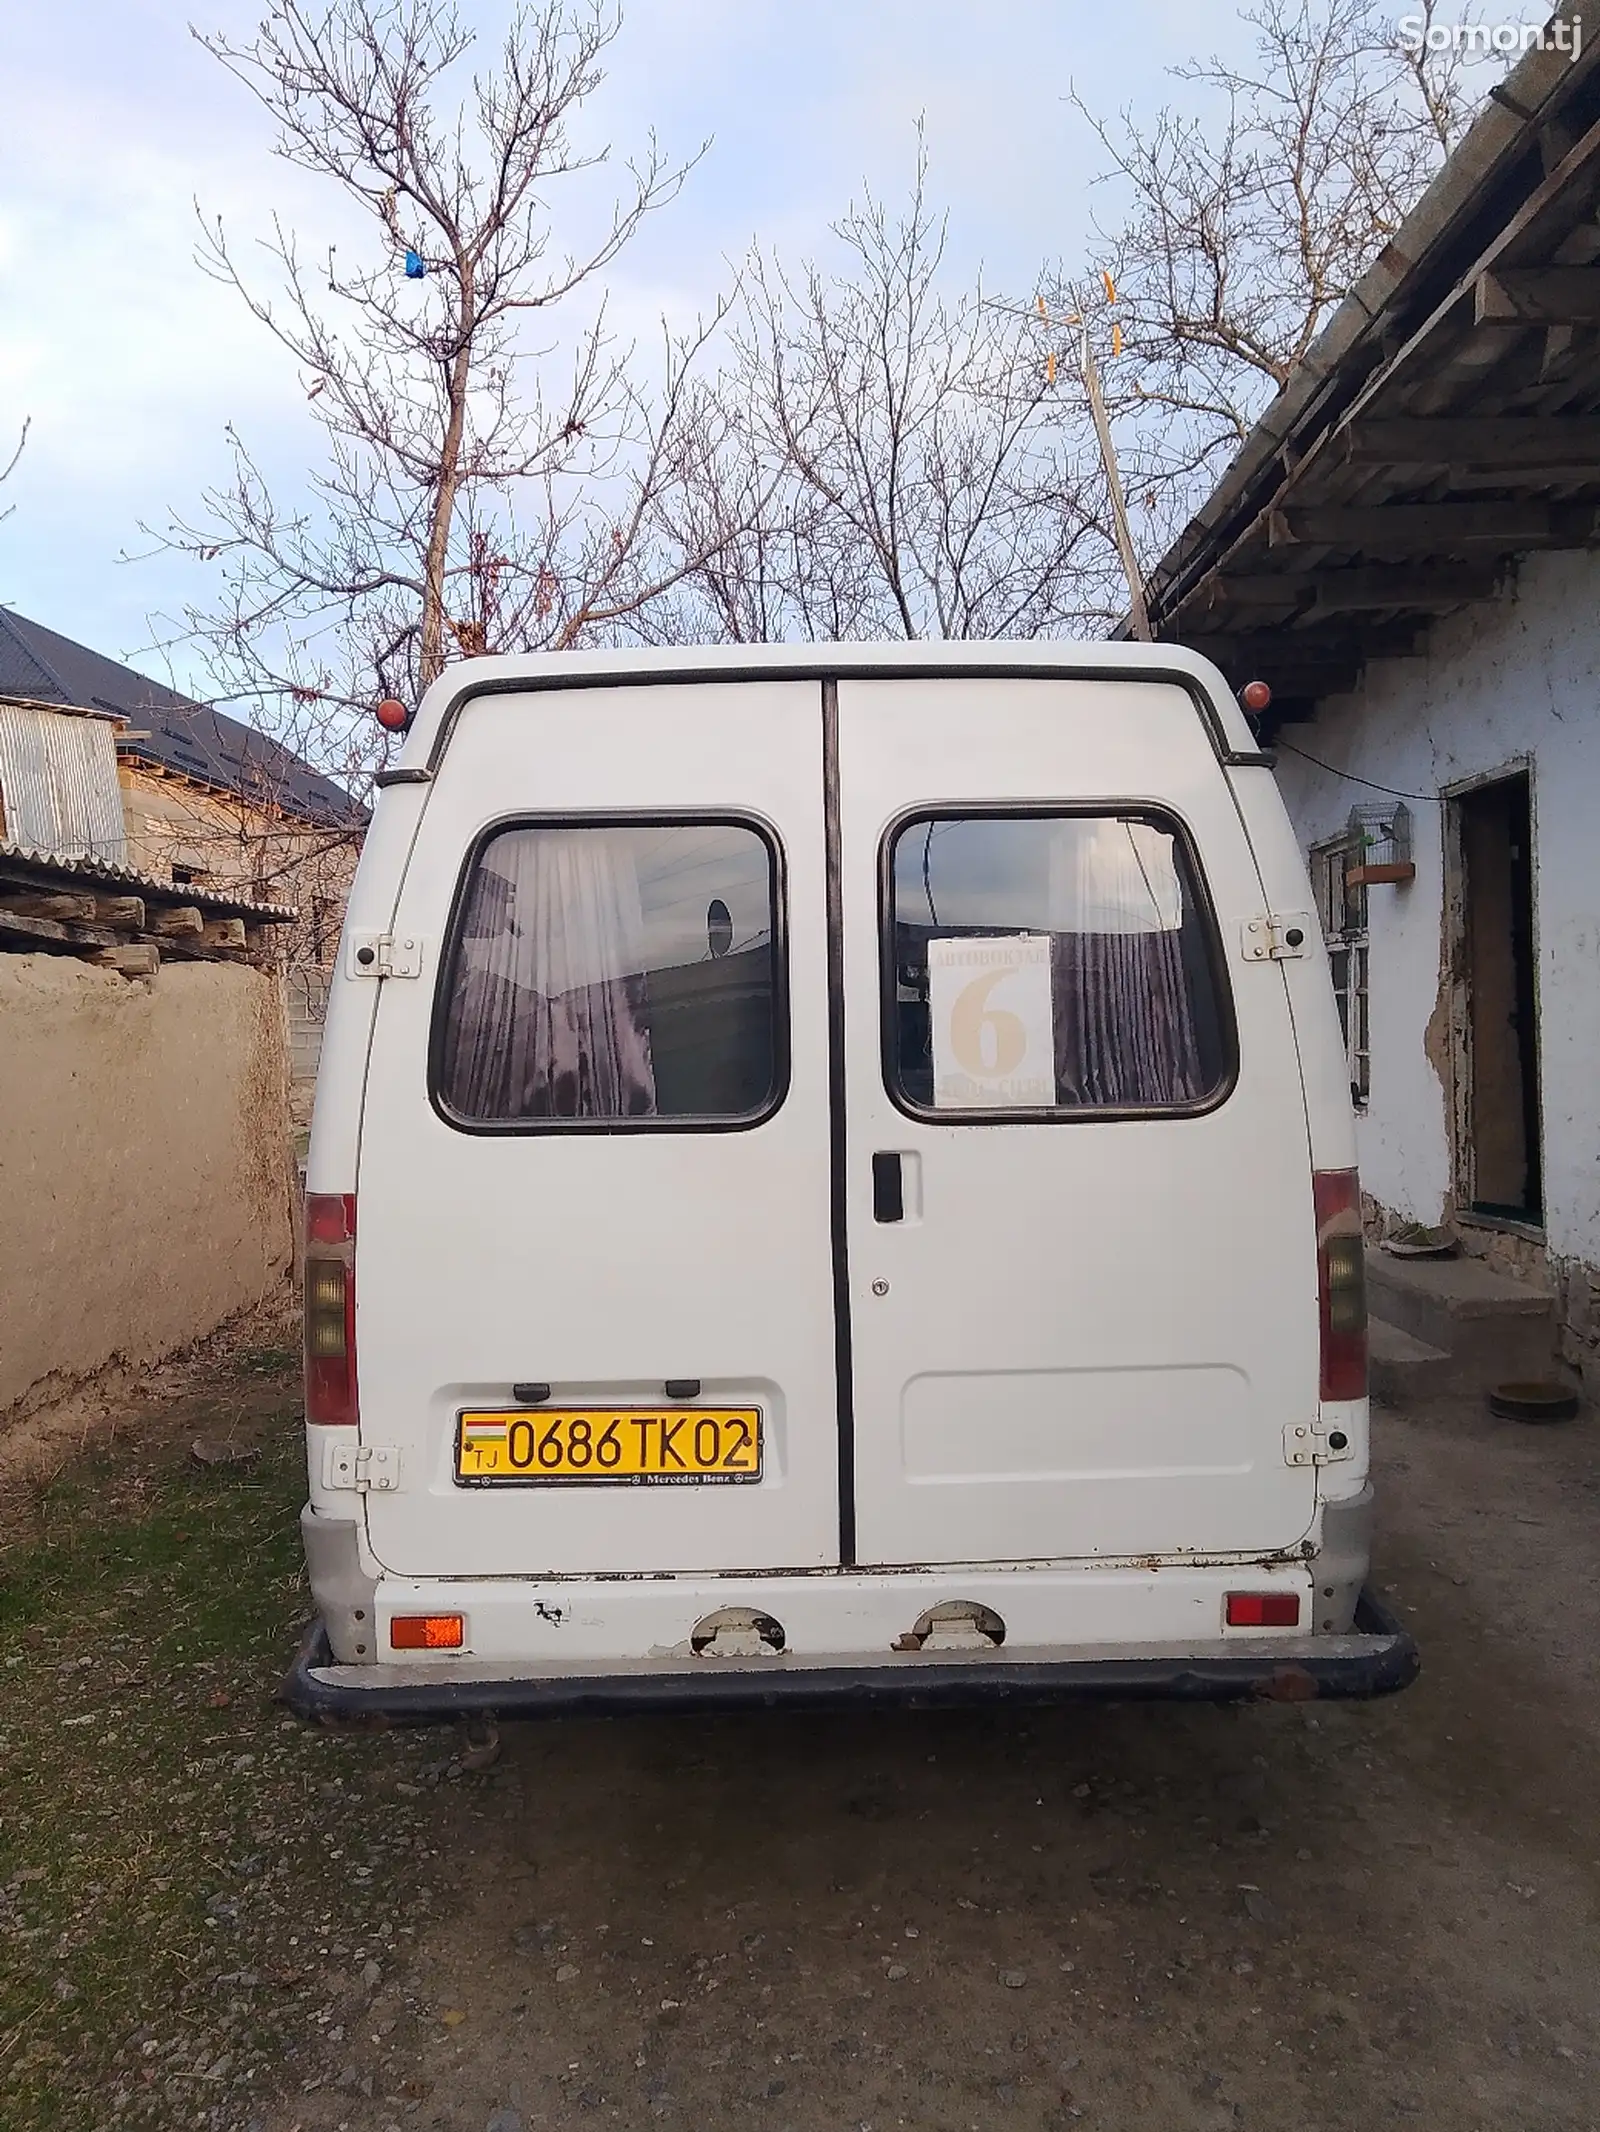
[1313,1443]
[371,1467]
[1278,937]
[383,955]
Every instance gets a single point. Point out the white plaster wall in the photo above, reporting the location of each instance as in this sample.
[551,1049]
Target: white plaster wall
[1514,679]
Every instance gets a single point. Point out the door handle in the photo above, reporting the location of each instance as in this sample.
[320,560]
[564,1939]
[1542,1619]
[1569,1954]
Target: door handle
[888,1189]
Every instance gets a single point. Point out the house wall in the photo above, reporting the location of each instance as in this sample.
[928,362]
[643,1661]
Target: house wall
[143,1163]
[1510,682]
[232,844]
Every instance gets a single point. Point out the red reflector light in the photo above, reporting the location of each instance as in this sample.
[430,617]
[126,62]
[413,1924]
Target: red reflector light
[1341,1284]
[1263,1610]
[330,1308]
[392,715]
[427,1632]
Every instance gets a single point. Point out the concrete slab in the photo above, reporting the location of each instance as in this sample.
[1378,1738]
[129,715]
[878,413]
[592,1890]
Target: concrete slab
[1402,1368]
[1488,1325]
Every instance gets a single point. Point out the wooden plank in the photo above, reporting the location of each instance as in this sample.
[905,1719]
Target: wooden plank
[1391,870]
[1426,528]
[133,959]
[14,923]
[125,911]
[55,931]
[1515,443]
[48,903]
[222,933]
[181,922]
[1538,296]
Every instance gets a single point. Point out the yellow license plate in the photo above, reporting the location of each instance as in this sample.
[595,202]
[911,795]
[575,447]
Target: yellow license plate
[638,1445]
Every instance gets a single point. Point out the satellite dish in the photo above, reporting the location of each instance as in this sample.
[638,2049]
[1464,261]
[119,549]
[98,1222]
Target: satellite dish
[719,927]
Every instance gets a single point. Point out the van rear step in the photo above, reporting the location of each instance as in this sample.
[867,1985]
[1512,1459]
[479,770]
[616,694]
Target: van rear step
[1378,1657]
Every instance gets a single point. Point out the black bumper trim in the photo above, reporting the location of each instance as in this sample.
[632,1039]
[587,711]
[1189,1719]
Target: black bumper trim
[1390,1663]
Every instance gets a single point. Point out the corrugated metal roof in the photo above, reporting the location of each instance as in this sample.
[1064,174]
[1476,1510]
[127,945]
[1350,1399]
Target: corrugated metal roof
[45,866]
[183,735]
[58,783]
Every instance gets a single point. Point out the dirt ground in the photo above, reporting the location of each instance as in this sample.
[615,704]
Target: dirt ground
[1146,1916]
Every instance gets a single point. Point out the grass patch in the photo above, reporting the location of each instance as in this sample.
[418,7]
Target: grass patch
[192,1884]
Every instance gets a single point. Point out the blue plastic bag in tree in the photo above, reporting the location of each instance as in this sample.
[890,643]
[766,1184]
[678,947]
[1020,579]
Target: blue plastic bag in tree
[416,266]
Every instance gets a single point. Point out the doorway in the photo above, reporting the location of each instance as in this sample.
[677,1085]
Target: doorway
[1499,1169]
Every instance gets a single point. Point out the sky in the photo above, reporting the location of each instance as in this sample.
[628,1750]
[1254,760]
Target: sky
[129,363]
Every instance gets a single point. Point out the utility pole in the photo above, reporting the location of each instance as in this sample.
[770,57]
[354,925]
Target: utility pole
[1138,612]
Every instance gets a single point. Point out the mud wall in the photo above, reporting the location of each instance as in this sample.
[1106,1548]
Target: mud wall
[144,1181]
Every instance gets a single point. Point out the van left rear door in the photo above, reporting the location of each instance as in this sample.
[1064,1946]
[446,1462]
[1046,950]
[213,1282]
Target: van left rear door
[594,1154]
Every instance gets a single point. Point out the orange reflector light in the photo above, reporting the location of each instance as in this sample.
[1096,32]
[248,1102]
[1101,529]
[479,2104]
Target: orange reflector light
[1256,696]
[1263,1610]
[392,715]
[428,1632]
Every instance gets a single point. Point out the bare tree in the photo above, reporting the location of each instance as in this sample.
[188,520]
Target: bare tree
[490,482]
[10,466]
[1244,223]
[893,463]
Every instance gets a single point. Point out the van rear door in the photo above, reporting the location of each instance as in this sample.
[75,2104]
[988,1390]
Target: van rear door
[1082,1252]
[595,1147]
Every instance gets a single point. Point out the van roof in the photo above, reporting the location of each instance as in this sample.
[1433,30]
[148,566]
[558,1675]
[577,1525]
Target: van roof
[770,662]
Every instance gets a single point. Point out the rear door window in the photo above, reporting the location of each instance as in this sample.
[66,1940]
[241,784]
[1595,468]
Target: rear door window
[613,975]
[1050,966]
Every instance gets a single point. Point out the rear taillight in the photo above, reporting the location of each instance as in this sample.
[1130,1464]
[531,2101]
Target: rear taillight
[1341,1284]
[331,1307]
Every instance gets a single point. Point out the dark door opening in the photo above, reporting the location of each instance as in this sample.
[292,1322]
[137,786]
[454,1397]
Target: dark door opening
[1502,1165]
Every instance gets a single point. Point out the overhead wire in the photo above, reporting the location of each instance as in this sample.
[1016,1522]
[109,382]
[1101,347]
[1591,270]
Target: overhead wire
[1350,777]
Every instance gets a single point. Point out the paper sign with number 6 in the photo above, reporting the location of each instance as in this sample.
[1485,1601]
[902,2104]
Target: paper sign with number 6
[992,1007]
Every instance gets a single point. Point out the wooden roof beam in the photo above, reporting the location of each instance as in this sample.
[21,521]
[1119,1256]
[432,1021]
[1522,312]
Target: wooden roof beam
[1300,647]
[1432,528]
[1521,445]
[1342,593]
[1538,296]
[1335,593]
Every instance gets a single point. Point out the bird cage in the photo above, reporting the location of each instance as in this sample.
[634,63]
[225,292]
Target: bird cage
[1379,847]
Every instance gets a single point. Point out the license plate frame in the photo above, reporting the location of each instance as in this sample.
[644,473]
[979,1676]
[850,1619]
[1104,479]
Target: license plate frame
[675,1431]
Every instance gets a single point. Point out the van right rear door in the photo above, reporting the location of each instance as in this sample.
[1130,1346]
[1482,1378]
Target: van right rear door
[1083,1278]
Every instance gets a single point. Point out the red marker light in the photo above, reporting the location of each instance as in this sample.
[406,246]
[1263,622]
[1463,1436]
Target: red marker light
[392,715]
[1263,1610]
[1256,696]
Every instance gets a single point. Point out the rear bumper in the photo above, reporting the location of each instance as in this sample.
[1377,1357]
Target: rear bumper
[1378,1657]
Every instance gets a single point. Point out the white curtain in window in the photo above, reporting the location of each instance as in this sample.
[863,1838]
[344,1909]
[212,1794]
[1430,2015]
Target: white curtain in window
[549,1011]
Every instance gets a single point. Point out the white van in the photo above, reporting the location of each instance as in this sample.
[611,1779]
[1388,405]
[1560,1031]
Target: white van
[833,1179]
